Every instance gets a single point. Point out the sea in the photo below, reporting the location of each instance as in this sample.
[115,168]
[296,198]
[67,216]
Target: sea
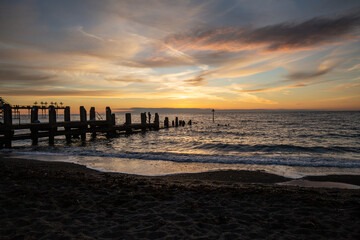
[287,143]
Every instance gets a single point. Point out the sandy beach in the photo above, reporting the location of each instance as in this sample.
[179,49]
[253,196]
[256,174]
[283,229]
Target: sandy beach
[54,200]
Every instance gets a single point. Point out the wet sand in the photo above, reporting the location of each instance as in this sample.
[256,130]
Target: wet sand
[54,200]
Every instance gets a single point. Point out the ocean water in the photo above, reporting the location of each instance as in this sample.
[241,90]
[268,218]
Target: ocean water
[287,143]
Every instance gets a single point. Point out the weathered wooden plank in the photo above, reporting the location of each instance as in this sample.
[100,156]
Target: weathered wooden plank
[166,122]
[67,119]
[157,121]
[83,120]
[8,123]
[92,119]
[52,122]
[128,123]
[34,119]
[143,121]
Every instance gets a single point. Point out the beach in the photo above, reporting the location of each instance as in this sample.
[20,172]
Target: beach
[55,200]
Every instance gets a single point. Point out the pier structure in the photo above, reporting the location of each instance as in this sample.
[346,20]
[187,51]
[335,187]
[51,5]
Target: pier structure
[9,131]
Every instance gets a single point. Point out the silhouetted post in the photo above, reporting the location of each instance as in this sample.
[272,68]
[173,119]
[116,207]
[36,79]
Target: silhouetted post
[149,117]
[128,122]
[92,119]
[108,120]
[157,121]
[108,115]
[166,122]
[67,119]
[213,112]
[143,121]
[113,119]
[176,122]
[173,123]
[34,119]
[8,124]
[34,114]
[189,123]
[83,120]
[128,118]
[52,123]
[92,114]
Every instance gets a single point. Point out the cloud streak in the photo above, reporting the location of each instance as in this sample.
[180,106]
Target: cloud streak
[285,36]
[11,76]
[59,92]
[308,75]
[272,89]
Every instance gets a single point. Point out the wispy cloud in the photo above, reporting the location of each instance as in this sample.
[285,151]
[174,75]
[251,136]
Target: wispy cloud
[308,75]
[59,92]
[10,76]
[273,89]
[345,86]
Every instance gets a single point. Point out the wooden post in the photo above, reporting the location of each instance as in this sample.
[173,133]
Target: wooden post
[166,122]
[157,121]
[67,119]
[34,119]
[92,114]
[176,122]
[8,125]
[83,120]
[173,123]
[143,121]
[93,119]
[52,123]
[113,119]
[213,112]
[128,122]
[109,120]
[34,114]
[108,115]
[128,118]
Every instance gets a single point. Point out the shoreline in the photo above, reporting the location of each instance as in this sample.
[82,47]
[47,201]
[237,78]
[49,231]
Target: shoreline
[350,181]
[56,200]
[163,168]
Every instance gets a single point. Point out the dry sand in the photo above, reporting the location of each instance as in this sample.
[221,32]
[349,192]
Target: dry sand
[53,200]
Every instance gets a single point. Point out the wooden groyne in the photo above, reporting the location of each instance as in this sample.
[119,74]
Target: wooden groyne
[72,129]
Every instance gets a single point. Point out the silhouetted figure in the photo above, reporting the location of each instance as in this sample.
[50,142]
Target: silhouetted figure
[149,115]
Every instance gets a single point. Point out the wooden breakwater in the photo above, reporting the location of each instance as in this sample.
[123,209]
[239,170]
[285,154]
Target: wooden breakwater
[72,129]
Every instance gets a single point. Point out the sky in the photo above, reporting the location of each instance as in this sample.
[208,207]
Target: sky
[245,54]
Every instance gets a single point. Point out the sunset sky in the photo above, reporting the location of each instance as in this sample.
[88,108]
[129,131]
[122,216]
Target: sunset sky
[275,54]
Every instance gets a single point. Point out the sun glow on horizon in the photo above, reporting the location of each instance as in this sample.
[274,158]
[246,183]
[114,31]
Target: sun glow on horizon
[181,54]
